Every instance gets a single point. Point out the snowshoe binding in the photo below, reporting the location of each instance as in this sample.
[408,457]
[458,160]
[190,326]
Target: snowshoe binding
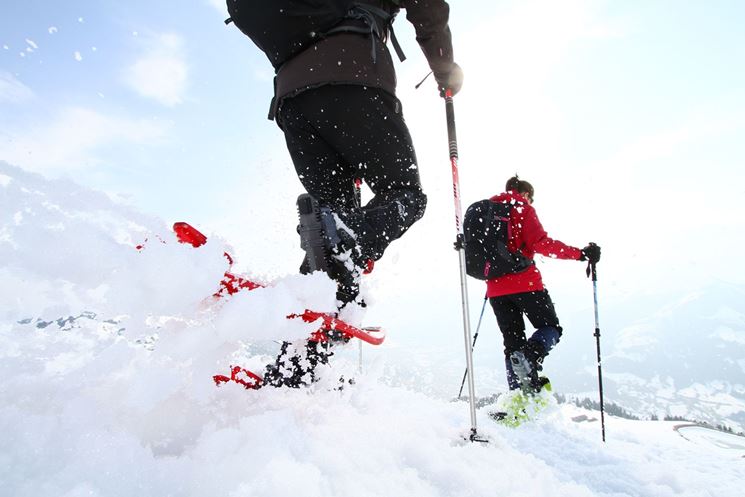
[296,364]
[516,407]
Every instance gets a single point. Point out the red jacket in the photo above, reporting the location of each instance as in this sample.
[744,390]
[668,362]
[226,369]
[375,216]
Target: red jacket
[528,237]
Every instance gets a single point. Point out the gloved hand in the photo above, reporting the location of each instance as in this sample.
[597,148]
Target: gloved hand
[591,253]
[452,79]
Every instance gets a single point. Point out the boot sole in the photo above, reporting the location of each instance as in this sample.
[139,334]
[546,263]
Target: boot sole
[312,236]
[522,370]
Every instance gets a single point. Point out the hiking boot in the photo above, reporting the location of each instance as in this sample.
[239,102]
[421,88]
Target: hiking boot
[312,235]
[535,353]
[526,372]
[330,246]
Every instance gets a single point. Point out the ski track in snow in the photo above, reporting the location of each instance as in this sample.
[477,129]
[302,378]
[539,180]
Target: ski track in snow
[118,400]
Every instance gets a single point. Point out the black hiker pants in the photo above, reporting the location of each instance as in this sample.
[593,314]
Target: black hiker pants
[538,307]
[338,133]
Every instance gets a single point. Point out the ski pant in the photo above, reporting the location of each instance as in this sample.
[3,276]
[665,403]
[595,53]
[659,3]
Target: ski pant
[337,133]
[539,308]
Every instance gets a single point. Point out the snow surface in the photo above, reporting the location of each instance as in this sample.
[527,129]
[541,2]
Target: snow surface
[107,355]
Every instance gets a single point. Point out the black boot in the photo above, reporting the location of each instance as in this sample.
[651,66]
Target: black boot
[329,248]
[526,371]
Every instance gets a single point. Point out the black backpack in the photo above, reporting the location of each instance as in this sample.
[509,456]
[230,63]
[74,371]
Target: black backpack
[486,229]
[284,28]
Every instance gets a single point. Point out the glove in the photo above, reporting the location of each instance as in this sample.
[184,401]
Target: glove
[591,253]
[452,79]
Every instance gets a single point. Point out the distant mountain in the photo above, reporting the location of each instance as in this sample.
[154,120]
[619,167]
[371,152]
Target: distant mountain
[686,357]
[689,357]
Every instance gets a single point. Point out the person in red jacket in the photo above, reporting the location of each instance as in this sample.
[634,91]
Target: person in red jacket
[523,293]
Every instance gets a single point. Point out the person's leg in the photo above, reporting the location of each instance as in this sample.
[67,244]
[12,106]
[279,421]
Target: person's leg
[511,324]
[328,177]
[336,133]
[322,170]
[539,308]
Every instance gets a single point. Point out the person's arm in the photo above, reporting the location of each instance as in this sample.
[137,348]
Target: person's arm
[430,20]
[537,240]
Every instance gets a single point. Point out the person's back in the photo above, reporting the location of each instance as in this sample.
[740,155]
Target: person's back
[523,293]
[354,55]
[527,237]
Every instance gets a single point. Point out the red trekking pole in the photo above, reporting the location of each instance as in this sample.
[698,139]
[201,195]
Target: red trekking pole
[460,247]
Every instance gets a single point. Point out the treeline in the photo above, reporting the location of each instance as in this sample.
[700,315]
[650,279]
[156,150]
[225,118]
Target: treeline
[719,427]
[616,410]
[609,407]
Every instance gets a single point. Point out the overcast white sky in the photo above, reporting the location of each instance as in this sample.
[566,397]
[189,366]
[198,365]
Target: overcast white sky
[628,117]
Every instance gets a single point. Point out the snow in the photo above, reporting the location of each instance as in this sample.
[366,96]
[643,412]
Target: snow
[107,355]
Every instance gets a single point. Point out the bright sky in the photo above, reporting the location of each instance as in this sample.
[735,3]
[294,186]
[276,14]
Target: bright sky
[628,118]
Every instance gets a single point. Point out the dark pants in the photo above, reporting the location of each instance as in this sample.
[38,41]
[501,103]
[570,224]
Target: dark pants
[338,133]
[538,307]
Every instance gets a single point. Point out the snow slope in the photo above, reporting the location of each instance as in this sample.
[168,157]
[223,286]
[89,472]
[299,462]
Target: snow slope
[107,353]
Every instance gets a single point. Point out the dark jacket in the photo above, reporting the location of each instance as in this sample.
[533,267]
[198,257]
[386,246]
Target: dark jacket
[527,236]
[347,58]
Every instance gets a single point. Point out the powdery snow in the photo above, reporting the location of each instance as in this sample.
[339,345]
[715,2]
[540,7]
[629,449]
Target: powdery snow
[85,411]
[116,398]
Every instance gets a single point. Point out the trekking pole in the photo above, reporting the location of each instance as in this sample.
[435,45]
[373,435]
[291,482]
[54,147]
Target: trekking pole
[591,269]
[460,247]
[358,203]
[475,337]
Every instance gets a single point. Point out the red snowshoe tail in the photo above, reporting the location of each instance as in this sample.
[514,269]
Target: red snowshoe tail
[232,284]
[373,336]
[242,376]
[186,233]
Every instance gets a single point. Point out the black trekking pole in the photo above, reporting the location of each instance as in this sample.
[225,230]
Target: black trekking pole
[591,269]
[460,247]
[475,337]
